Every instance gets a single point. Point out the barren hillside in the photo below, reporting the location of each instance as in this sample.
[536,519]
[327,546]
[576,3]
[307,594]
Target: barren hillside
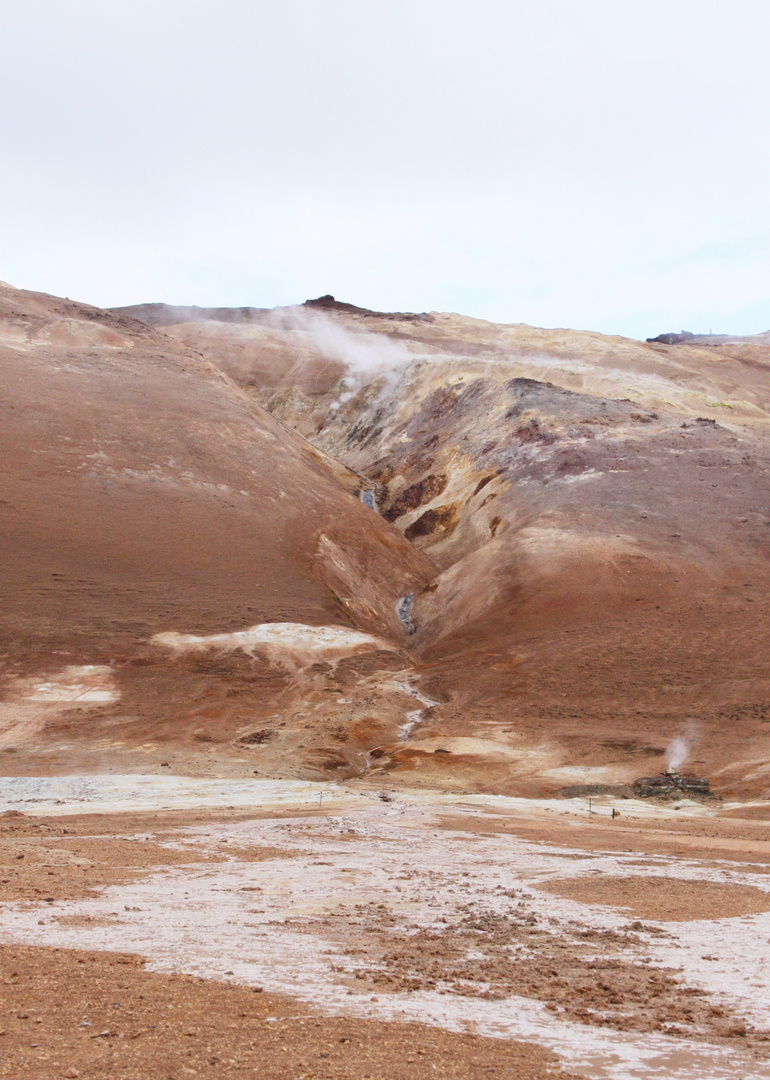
[148,504]
[597,512]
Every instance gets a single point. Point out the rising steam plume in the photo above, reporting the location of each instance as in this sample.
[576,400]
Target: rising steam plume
[367,357]
[680,748]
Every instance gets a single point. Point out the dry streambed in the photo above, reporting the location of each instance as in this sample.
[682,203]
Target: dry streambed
[624,967]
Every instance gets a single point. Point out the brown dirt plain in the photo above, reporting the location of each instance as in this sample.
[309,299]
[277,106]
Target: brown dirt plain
[105,1016]
[145,1026]
[465,914]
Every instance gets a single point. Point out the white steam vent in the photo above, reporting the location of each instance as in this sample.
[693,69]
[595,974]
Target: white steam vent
[366,356]
[680,748]
[293,645]
[677,753]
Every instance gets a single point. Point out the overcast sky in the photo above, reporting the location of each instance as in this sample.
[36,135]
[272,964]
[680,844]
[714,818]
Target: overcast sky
[601,164]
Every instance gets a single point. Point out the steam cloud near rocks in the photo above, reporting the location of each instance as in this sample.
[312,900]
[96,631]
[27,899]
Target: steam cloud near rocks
[367,357]
[680,747]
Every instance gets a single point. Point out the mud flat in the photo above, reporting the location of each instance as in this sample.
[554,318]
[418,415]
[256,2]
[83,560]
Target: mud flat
[628,948]
[94,794]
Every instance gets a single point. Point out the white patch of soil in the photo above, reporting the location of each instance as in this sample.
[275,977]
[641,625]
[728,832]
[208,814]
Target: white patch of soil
[295,645]
[29,703]
[89,684]
[96,794]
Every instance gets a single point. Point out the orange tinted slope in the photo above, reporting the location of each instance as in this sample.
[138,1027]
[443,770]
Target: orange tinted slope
[142,492]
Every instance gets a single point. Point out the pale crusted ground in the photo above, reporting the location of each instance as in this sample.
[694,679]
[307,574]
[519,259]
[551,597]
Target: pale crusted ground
[628,947]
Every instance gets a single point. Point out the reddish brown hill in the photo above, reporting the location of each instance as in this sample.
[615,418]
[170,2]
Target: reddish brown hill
[598,511]
[142,492]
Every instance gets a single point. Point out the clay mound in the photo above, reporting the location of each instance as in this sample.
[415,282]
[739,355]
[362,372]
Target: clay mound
[569,559]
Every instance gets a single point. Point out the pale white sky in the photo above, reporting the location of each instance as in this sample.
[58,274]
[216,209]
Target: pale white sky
[601,164]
